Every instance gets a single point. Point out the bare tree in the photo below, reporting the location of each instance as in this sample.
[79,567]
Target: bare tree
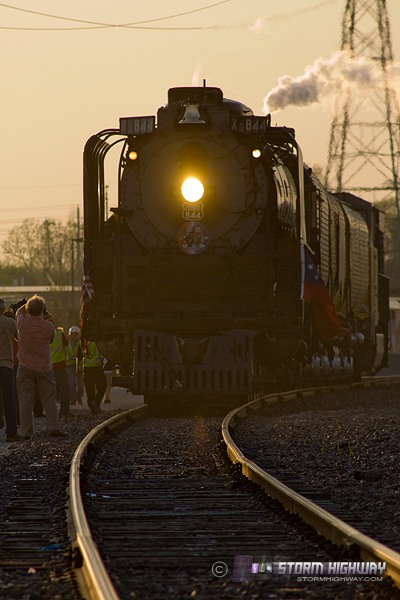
[42,247]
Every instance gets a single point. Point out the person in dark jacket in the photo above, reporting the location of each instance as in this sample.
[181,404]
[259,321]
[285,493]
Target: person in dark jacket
[8,331]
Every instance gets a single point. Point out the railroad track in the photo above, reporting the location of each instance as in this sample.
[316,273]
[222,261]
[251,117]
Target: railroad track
[178,523]
[331,527]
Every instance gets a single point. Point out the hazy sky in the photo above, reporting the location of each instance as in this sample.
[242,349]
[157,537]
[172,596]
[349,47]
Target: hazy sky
[61,85]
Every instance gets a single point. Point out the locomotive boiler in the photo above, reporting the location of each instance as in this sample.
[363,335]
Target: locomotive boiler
[225,268]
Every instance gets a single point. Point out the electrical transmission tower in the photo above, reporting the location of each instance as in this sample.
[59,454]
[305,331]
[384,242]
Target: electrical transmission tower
[364,147]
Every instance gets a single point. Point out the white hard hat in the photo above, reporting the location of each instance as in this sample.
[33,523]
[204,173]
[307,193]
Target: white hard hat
[74,329]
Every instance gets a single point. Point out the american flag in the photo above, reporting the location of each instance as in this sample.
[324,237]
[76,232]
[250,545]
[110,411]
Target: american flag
[87,295]
[313,289]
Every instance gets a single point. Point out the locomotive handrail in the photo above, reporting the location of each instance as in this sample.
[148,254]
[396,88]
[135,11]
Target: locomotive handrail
[300,164]
[324,522]
[94,154]
[289,135]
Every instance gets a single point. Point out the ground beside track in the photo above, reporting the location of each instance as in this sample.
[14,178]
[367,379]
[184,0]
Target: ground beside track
[344,446]
[35,561]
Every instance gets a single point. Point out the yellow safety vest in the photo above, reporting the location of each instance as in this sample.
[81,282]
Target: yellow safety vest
[92,356]
[72,353]
[57,348]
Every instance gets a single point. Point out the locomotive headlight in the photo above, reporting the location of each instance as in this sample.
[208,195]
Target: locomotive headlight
[256,153]
[192,189]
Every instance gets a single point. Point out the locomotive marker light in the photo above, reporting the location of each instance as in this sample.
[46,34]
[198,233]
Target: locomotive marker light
[192,189]
[132,155]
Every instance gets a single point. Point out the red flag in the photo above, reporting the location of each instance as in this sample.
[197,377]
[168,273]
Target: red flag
[313,289]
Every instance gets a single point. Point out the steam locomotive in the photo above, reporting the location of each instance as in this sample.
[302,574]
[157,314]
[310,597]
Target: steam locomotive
[226,269]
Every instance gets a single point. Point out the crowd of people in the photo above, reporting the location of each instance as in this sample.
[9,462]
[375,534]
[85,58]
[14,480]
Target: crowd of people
[41,367]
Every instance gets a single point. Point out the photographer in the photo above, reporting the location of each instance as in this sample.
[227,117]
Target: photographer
[35,371]
[8,332]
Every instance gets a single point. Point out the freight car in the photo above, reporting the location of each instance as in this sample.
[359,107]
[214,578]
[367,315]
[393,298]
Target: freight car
[226,268]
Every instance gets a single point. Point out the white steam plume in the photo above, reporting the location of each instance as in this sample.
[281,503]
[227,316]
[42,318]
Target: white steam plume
[257,26]
[196,77]
[320,79]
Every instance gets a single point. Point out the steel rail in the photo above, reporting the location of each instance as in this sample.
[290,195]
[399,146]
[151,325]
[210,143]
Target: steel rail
[331,527]
[92,574]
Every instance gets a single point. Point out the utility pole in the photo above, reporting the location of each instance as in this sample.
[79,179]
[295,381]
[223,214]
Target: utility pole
[364,147]
[48,251]
[78,236]
[72,277]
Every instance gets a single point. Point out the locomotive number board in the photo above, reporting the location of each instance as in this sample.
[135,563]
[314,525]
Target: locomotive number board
[193,213]
[249,124]
[136,125]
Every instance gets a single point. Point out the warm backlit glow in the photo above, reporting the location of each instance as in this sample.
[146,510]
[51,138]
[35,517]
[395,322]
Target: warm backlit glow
[133,155]
[192,189]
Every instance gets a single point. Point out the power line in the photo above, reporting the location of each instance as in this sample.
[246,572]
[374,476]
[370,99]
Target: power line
[142,24]
[98,25]
[113,27]
[302,11]
[36,208]
[40,187]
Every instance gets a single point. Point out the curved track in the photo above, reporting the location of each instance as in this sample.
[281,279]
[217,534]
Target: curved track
[95,575]
[321,520]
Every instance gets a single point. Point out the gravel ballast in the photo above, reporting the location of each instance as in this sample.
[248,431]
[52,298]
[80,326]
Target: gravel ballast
[346,443]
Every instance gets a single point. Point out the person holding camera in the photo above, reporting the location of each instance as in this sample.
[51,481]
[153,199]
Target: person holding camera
[35,370]
[8,332]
